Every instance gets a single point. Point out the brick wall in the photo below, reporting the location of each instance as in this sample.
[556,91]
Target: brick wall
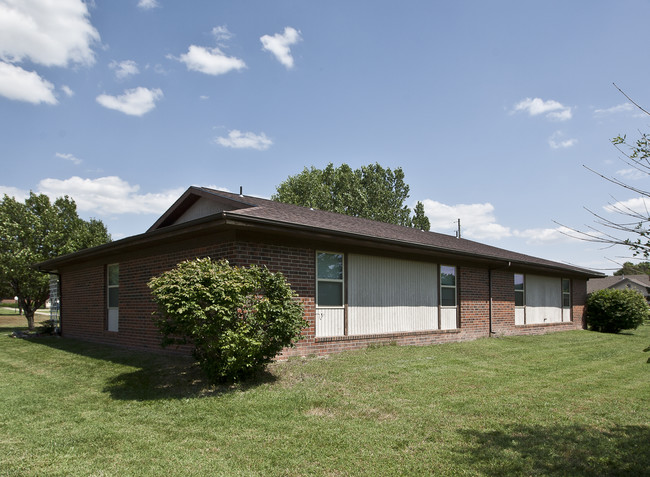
[84,299]
[84,295]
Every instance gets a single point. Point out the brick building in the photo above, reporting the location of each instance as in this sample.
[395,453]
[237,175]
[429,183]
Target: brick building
[361,282]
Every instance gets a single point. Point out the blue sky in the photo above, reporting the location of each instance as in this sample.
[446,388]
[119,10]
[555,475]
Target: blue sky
[491,108]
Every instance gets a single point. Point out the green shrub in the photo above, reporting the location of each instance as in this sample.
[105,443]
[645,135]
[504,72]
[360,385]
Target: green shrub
[611,310]
[238,319]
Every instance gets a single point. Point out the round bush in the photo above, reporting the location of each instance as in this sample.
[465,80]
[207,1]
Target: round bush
[611,310]
[238,319]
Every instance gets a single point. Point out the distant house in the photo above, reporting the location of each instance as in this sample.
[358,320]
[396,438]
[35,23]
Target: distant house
[361,282]
[640,283]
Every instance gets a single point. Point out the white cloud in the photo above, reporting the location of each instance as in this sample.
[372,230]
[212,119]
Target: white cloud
[147,4]
[477,220]
[247,140]
[134,102]
[221,33]
[18,194]
[638,205]
[279,44]
[557,141]
[211,61]
[50,33]
[67,91]
[619,108]
[109,195]
[69,157]
[21,85]
[551,109]
[124,69]
[548,235]
[632,174]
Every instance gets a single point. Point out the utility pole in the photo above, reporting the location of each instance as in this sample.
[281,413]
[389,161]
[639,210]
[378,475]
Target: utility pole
[458,232]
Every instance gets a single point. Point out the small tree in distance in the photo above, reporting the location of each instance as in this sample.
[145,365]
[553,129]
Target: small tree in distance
[420,220]
[237,319]
[629,268]
[34,231]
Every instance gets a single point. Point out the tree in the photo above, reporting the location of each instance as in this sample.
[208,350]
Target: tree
[632,227]
[38,230]
[372,192]
[630,268]
[420,220]
[238,319]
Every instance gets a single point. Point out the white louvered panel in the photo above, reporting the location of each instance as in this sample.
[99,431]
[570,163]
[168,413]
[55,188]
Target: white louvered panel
[448,318]
[394,319]
[329,322]
[520,314]
[113,319]
[388,295]
[543,299]
[201,208]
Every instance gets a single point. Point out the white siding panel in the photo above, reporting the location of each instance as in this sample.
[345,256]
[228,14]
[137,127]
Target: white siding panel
[329,322]
[448,318]
[566,314]
[388,295]
[520,314]
[113,319]
[393,319]
[201,208]
[543,299]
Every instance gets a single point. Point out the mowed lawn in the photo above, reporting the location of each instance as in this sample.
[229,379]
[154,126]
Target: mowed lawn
[572,403]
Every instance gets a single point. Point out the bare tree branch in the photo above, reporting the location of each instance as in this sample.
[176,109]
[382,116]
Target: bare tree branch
[630,99]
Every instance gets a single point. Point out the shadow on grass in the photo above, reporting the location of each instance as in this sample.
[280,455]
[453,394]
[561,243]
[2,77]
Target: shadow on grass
[157,376]
[559,451]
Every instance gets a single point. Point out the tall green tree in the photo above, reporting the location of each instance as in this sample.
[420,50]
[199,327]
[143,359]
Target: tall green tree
[420,220]
[34,231]
[371,191]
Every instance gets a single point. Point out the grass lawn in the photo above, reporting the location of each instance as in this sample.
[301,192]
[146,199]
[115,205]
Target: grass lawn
[572,403]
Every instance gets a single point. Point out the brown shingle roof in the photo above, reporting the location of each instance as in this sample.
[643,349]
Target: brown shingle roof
[595,284]
[269,210]
[287,219]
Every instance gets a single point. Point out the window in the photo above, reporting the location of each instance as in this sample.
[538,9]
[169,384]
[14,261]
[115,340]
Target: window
[520,297]
[447,285]
[329,282]
[113,296]
[566,292]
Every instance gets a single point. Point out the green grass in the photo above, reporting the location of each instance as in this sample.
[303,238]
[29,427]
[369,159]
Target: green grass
[7,309]
[574,403]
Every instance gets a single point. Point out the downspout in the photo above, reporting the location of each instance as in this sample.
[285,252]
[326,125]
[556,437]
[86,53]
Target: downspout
[59,331]
[490,303]
[490,270]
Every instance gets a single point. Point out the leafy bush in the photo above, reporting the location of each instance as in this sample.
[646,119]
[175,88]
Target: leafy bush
[613,310]
[238,319]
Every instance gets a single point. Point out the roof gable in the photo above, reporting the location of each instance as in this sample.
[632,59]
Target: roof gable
[616,281]
[198,203]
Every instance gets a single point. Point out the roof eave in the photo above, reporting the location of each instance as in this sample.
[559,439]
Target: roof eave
[228,219]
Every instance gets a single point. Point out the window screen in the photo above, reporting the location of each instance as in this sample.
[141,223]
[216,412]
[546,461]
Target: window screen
[329,284]
[447,285]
